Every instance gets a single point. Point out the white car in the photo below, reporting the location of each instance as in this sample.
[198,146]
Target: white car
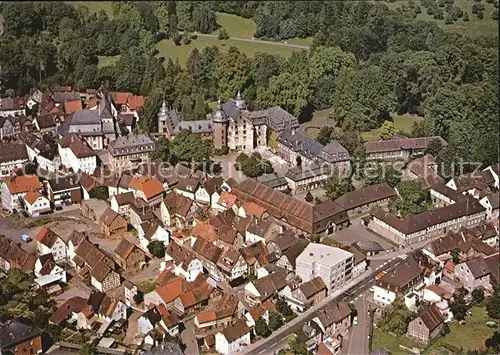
[372,289]
[355,321]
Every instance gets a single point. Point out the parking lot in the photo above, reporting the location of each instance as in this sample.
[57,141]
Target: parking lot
[62,223]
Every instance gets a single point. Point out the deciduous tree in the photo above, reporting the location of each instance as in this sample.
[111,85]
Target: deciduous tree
[387,131]
[412,198]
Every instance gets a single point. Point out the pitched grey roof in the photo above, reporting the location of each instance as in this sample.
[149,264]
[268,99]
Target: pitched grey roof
[298,174]
[198,126]
[279,119]
[271,180]
[231,109]
[333,152]
[299,143]
[478,267]
[61,96]
[130,143]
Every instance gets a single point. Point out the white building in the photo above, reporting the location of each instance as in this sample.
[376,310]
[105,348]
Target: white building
[35,203]
[12,156]
[47,271]
[48,242]
[333,265]
[76,154]
[233,339]
[14,188]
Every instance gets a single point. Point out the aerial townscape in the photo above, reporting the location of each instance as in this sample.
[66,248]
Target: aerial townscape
[249,177]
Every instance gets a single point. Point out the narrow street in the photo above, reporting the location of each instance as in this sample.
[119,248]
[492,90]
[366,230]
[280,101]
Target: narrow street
[357,341]
[189,339]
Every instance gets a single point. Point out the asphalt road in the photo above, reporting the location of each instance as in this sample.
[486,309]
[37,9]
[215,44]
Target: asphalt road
[357,342]
[278,340]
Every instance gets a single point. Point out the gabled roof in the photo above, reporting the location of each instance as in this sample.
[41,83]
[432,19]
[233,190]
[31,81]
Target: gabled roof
[206,249]
[171,290]
[125,198]
[236,331]
[109,216]
[365,195]
[151,187]
[312,287]
[20,184]
[213,184]
[77,145]
[196,295]
[32,196]
[407,271]
[271,284]
[11,151]
[478,267]
[135,102]
[334,314]
[47,237]
[400,144]
[431,317]
[124,248]
[72,305]
[71,106]
[15,333]
[414,223]
[178,204]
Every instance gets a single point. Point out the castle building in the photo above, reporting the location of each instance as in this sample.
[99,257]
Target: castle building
[232,126]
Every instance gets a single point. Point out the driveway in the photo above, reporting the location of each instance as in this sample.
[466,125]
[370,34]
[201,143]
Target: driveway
[189,339]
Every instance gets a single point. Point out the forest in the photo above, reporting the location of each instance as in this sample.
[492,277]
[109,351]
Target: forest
[366,62]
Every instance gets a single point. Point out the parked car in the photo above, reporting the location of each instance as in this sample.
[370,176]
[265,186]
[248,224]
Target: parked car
[355,321]
[26,238]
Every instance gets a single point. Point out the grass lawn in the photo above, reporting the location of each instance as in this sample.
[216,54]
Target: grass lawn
[383,340]
[312,131]
[168,49]
[107,60]
[469,336]
[475,26]
[402,123]
[236,26]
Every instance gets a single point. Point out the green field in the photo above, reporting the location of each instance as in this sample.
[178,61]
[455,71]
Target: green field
[470,336]
[475,26]
[402,123]
[236,26]
[107,60]
[168,49]
[383,340]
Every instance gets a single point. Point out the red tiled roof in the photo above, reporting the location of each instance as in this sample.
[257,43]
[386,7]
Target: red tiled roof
[32,195]
[171,290]
[226,199]
[151,187]
[72,106]
[121,98]
[135,102]
[47,237]
[20,184]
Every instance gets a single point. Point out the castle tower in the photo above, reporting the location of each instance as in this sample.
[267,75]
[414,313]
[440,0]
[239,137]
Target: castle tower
[220,122]
[240,101]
